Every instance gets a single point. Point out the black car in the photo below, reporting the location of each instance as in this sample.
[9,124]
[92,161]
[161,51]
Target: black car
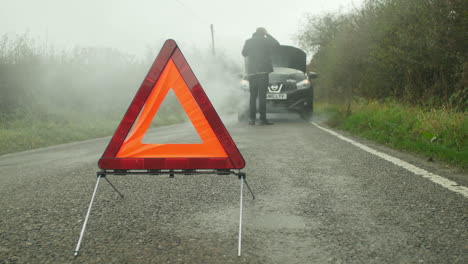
[290,88]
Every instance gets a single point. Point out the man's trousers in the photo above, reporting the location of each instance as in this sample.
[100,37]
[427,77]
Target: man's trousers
[258,84]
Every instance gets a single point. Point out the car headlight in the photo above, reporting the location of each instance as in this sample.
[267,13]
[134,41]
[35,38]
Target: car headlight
[244,84]
[305,84]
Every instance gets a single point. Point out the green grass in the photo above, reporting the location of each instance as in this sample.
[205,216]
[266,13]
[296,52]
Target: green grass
[24,134]
[439,134]
[30,131]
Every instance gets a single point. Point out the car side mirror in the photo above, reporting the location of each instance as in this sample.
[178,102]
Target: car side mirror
[313,75]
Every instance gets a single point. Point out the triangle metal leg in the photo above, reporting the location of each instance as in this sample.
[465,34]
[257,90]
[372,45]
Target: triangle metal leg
[102,174]
[250,190]
[112,185]
[77,250]
[240,217]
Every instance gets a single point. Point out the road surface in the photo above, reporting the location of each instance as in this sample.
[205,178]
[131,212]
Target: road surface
[319,200]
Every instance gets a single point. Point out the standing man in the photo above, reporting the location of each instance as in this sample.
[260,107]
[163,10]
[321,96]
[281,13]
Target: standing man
[258,51]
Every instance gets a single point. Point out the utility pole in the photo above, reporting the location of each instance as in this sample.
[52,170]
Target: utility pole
[212,40]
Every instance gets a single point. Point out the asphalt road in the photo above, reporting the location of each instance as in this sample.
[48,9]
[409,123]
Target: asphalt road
[319,200]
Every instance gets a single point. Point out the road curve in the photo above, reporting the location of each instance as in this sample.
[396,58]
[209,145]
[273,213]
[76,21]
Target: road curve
[319,200]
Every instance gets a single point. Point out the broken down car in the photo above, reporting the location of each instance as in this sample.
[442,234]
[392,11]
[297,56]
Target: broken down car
[290,88]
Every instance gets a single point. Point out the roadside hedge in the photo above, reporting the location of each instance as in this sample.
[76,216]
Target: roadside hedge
[413,51]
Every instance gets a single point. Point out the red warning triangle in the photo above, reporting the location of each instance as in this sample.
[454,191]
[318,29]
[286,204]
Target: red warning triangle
[169,71]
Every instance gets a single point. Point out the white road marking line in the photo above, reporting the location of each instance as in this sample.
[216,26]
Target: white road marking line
[451,185]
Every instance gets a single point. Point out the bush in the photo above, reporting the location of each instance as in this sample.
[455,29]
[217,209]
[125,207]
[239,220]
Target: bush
[413,51]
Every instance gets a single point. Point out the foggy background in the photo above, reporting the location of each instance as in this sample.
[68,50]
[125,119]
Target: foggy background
[130,26]
[88,58]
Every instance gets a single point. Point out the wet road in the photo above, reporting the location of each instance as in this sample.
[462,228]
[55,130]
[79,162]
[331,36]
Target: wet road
[319,200]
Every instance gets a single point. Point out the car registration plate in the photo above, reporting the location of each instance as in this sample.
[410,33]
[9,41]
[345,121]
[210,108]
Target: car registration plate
[276,96]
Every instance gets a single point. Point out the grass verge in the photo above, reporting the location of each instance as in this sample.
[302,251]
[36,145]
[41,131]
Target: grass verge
[32,131]
[437,134]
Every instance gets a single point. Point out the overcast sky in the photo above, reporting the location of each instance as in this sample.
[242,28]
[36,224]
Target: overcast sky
[132,26]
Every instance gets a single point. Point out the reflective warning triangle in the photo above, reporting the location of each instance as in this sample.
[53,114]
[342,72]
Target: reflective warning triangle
[169,71]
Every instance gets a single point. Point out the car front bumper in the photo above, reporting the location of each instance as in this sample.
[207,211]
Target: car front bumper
[297,100]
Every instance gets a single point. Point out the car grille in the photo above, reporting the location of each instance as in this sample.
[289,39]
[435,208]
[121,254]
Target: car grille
[288,87]
[285,87]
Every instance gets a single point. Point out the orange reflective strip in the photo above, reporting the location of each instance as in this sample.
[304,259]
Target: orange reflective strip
[171,79]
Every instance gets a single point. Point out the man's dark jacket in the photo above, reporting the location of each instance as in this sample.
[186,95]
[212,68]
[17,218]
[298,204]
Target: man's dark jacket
[258,51]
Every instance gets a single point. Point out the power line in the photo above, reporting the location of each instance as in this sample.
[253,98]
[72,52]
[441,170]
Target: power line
[200,19]
[193,13]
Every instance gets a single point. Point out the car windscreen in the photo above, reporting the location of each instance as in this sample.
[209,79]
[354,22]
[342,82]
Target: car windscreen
[289,57]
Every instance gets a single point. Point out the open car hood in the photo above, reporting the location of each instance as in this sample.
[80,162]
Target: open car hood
[289,57]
